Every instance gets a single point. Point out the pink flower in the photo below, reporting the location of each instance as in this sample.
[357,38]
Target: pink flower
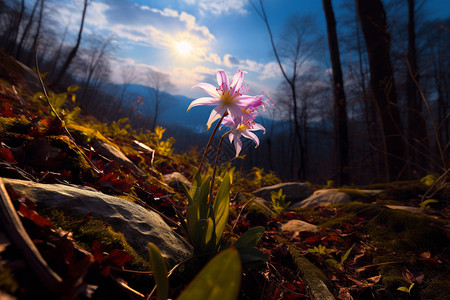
[228,97]
[243,128]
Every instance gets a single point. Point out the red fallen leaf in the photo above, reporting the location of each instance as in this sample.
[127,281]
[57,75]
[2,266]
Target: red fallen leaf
[154,188]
[79,268]
[290,215]
[113,180]
[313,240]
[118,257]
[33,216]
[106,271]
[97,251]
[7,155]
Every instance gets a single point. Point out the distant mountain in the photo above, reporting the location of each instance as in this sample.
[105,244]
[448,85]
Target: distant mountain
[174,111]
[188,128]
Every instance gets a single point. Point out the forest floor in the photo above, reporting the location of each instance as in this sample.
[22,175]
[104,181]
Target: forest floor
[362,250]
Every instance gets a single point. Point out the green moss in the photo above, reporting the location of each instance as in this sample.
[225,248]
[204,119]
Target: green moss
[85,135]
[75,159]
[8,283]
[86,231]
[338,221]
[437,288]
[354,194]
[402,235]
[14,125]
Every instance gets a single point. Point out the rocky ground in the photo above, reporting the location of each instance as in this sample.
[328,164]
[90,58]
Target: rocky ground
[81,201]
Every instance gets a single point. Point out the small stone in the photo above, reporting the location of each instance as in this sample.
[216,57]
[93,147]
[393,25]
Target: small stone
[176,180]
[298,226]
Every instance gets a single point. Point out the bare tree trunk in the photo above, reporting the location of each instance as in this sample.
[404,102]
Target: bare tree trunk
[14,29]
[37,34]
[340,106]
[26,30]
[74,50]
[373,23]
[418,140]
[301,172]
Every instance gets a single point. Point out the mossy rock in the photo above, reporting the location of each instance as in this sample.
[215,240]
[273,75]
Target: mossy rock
[403,235]
[400,229]
[74,159]
[14,125]
[86,231]
[355,194]
[85,135]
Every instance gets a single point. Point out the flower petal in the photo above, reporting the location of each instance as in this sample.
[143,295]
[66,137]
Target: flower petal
[257,126]
[247,101]
[203,101]
[251,135]
[215,114]
[236,82]
[238,146]
[235,113]
[209,88]
[222,80]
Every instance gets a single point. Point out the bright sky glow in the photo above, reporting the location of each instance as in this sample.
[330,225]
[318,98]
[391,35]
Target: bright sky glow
[184,48]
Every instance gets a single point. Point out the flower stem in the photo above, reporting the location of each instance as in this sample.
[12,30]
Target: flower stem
[210,141]
[215,167]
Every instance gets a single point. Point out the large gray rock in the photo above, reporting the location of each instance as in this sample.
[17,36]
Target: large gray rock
[323,198]
[294,191]
[139,225]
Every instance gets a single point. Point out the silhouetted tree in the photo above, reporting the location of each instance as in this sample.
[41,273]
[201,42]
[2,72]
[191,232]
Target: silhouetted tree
[159,85]
[373,23]
[74,50]
[340,106]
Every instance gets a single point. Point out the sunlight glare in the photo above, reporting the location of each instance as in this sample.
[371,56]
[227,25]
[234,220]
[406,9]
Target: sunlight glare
[184,48]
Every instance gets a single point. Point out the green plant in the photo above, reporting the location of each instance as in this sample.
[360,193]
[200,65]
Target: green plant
[278,202]
[206,220]
[340,265]
[57,100]
[320,250]
[425,205]
[406,289]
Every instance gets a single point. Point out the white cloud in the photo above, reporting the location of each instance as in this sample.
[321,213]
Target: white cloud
[244,64]
[219,7]
[271,70]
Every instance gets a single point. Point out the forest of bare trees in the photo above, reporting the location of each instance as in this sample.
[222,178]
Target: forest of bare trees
[364,99]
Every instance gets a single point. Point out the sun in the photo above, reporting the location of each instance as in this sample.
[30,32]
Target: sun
[184,48]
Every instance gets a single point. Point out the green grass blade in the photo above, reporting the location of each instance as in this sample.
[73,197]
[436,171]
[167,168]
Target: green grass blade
[250,238]
[159,272]
[222,207]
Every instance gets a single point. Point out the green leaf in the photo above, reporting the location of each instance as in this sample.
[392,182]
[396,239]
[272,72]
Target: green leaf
[72,88]
[222,207]
[202,199]
[403,289]
[344,258]
[218,280]
[159,272]
[203,235]
[250,238]
[251,257]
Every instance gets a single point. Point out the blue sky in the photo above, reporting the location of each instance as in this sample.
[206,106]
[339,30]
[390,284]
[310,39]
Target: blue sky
[191,39]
